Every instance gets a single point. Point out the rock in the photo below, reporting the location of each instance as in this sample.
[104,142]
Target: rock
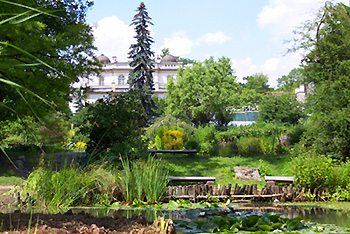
[247,173]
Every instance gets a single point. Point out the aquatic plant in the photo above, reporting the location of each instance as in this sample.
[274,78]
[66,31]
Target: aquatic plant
[143,180]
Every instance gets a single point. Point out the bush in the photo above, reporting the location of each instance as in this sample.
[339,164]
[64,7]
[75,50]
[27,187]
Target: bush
[114,126]
[173,139]
[206,137]
[224,149]
[155,132]
[251,146]
[312,170]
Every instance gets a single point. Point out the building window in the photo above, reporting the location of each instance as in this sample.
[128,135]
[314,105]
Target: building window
[168,78]
[101,81]
[121,80]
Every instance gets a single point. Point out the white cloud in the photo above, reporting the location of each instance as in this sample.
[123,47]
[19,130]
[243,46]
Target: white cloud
[281,17]
[178,43]
[113,37]
[218,37]
[274,68]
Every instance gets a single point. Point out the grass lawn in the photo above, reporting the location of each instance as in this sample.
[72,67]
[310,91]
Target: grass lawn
[8,176]
[204,165]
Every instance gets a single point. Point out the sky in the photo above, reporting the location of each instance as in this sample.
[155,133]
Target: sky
[252,33]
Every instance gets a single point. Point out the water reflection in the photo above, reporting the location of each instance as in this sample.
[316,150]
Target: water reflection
[308,213]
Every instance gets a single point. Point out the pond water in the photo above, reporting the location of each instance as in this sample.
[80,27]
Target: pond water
[313,214]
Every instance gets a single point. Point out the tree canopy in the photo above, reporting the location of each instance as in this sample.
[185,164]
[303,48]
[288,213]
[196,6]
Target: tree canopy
[45,47]
[258,82]
[203,93]
[289,82]
[140,76]
[281,109]
[327,66]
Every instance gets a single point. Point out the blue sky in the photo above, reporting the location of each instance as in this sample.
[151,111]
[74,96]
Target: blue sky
[251,33]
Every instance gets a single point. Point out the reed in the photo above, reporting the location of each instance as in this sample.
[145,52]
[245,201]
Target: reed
[143,180]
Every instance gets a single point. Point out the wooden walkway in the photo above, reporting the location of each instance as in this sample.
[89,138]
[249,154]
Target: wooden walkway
[191,178]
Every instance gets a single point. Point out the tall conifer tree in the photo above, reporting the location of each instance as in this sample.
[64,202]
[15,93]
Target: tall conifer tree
[140,77]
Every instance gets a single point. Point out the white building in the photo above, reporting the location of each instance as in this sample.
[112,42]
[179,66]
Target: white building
[114,77]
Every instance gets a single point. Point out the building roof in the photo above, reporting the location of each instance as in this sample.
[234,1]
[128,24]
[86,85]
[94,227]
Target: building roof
[103,59]
[168,59]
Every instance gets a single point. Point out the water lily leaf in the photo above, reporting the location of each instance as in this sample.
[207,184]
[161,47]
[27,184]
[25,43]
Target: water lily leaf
[192,214]
[293,225]
[209,227]
[265,227]
[274,218]
[234,230]
[250,221]
[277,225]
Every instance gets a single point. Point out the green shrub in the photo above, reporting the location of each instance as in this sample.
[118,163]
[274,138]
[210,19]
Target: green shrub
[295,134]
[206,137]
[251,146]
[224,149]
[173,139]
[153,135]
[312,170]
[114,126]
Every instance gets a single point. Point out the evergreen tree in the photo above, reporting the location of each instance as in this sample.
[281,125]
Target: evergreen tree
[140,77]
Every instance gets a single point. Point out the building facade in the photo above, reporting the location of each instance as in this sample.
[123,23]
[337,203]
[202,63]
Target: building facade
[114,78]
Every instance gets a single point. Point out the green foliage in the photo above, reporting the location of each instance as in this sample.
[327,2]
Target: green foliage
[140,77]
[42,54]
[173,139]
[281,109]
[155,132]
[250,146]
[294,79]
[143,180]
[249,97]
[295,133]
[224,149]
[203,93]
[70,186]
[221,223]
[312,170]
[206,137]
[257,82]
[114,127]
[264,169]
[23,131]
[326,64]
[170,138]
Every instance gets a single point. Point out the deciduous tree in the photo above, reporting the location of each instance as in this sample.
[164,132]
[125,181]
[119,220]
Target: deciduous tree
[203,93]
[44,53]
[258,82]
[327,65]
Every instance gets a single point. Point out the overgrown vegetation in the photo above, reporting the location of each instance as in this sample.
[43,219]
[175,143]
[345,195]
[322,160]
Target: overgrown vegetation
[70,186]
[143,180]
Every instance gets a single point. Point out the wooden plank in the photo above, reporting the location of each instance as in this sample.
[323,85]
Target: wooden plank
[173,151]
[280,179]
[191,178]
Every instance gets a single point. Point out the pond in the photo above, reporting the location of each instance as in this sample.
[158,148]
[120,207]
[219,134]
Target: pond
[184,216]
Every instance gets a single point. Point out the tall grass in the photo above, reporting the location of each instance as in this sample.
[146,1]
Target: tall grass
[69,186]
[143,180]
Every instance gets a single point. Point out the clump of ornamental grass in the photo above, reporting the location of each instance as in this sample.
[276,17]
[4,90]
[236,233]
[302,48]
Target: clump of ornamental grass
[70,186]
[143,180]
